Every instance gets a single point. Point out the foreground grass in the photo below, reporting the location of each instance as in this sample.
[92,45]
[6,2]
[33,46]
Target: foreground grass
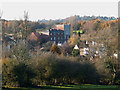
[68,87]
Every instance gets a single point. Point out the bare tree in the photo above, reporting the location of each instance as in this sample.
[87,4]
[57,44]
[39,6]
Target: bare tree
[25,24]
[1,13]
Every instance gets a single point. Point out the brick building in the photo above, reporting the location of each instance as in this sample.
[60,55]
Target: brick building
[56,35]
[60,34]
[40,37]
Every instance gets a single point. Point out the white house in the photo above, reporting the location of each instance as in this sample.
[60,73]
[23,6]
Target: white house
[76,47]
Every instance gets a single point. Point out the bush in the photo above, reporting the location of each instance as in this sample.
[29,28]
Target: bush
[48,69]
[56,70]
[75,52]
[17,73]
[55,49]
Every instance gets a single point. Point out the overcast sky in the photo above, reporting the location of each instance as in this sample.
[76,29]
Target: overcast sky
[57,10]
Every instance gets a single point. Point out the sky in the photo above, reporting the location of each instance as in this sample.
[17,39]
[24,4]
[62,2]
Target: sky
[57,9]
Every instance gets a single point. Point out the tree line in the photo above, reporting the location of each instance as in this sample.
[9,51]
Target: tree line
[22,69]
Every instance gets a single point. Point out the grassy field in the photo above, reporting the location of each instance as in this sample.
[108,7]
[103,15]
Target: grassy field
[69,87]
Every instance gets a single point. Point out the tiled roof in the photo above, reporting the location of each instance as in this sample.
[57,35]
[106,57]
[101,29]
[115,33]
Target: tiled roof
[33,36]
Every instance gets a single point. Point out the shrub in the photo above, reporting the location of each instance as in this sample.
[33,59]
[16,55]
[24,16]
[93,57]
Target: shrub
[56,70]
[55,49]
[17,73]
[75,52]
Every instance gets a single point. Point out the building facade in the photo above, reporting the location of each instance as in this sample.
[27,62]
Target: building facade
[56,36]
[60,34]
[66,28]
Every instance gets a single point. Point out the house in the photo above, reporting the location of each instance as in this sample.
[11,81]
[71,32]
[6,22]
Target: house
[76,47]
[40,37]
[66,28]
[57,36]
[84,51]
[8,41]
[33,36]
[60,34]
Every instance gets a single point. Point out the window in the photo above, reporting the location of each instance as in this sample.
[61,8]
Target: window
[58,38]
[67,37]
[51,38]
[54,33]
[50,33]
[54,38]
